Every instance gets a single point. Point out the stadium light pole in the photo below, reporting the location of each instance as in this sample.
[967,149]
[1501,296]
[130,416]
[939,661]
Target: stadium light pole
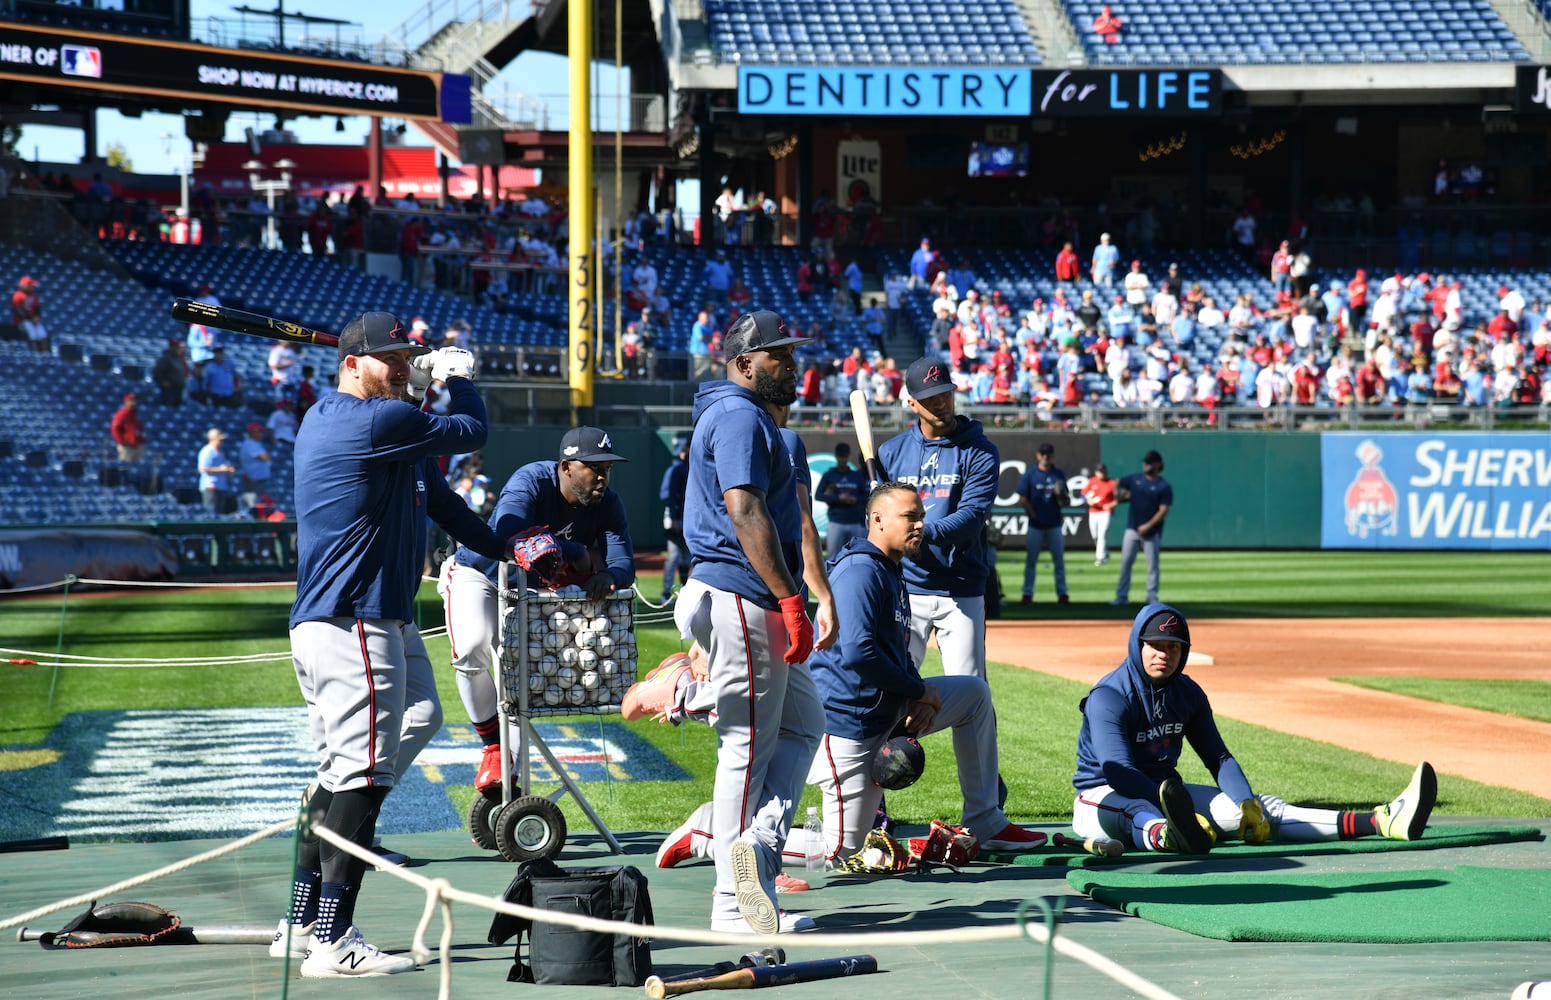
[257,182]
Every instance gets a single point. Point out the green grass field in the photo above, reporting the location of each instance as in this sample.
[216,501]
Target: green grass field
[1039,713]
[1524,699]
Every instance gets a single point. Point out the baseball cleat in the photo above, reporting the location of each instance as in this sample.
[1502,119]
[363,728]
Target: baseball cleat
[1406,817]
[389,856]
[488,776]
[1064,599]
[1116,602]
[350,955]
[300,936]
[679,846]
[1184,833]
[754,902]
[790,923]
[790,883]
[655,693]
[1014,838]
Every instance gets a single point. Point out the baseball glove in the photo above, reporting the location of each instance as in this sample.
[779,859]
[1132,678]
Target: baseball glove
[945,844]
[880,855]
[114,925]
[535,550]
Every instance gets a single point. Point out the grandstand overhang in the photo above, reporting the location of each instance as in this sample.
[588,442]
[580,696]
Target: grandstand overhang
[135,73]
[551,150]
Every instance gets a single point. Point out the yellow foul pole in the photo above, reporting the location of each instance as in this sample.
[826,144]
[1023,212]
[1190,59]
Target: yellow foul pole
[583,279]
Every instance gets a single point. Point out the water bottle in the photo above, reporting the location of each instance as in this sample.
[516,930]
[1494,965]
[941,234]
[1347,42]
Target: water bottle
[813,831]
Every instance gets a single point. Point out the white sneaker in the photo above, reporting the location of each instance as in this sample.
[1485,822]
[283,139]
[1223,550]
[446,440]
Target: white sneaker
[350,955]
[790,923]
[301,934]
[755,902]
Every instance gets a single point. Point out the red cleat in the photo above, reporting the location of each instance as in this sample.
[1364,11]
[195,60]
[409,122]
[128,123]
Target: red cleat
[1015,838]
[489,774]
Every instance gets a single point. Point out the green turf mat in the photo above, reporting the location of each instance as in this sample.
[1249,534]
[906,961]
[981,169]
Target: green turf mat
[1448,836]
[1466,903]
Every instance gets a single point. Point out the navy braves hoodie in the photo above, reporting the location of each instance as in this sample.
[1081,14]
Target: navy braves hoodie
[1133,732]
[956,477]
[737,444]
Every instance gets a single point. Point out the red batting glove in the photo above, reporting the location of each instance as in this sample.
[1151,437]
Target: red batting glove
[799,630]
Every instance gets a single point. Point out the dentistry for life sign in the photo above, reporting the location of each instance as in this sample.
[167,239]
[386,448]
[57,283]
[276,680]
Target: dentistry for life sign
[1436,491]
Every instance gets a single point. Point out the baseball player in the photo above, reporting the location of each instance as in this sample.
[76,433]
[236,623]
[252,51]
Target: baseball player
[1150,497]
[366,478]
[674,482]
[1043,491]
[27,313]
[870,687]
[955,470]
[1136,721]
[1099,494]
[844,489]
[571,499]
[742,604]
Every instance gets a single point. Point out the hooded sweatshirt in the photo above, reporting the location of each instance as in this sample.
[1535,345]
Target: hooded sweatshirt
[736,444]
[956,477]
[1133,733]
[867,677]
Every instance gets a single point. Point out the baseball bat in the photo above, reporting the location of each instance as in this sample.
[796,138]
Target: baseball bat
[760,976]
[253,324]
[35,844]
[863,421]
[1104,847]
[190,935]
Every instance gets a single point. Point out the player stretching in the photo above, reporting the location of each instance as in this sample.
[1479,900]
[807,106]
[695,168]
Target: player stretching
[741,604]
[570,499]
[1135,723]
[366,478]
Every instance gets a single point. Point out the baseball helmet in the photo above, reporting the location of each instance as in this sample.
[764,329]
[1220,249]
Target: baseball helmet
[898,763]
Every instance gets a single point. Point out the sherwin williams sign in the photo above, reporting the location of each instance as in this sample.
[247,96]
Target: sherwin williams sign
[1436,491]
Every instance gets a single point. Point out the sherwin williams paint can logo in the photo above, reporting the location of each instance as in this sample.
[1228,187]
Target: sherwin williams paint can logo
[1372,504]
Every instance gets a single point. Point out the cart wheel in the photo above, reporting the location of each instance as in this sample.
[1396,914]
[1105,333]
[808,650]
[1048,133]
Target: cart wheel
[530,827]
[482,812]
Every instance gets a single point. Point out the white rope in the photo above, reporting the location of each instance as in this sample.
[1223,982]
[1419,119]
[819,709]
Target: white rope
[37,658]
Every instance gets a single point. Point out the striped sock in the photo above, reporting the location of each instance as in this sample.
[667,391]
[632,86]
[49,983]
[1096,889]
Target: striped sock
[1356,824]
[489,731]
[304,896]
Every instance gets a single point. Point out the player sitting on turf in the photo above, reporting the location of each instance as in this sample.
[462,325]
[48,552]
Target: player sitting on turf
[869,684]
[1135,723]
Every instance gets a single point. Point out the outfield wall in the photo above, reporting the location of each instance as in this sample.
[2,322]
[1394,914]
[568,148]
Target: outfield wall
[1232,489]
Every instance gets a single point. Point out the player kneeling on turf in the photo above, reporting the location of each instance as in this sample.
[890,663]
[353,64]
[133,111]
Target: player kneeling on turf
[1136,721]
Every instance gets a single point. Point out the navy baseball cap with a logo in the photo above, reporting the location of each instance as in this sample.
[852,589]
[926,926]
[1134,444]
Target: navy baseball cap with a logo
[928,377]
[377,333]
[588,444]
[759,330]
[1166,626]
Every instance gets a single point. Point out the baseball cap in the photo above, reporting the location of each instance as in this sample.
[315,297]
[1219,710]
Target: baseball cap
[129,395]
[1046,448]
[1100,467]
[1152,458]
[759,330]
[588,444]
[1166,626]
[1136,263]
[419,324]
[27,281]
[1502,290]
[681,443]
[374,333]
[255,426]
[927,377]
[841,448]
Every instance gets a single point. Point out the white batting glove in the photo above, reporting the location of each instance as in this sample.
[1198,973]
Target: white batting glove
[419,378]
[452,362]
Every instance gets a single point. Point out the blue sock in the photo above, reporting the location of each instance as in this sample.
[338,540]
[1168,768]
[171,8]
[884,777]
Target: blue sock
[304,896]
[336,911]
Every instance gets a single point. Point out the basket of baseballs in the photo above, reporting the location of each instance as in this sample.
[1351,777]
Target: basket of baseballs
[575,655]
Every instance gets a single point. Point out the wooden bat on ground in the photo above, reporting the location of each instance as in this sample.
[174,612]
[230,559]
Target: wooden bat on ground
[760,976]
[863,421]
[190,935]
[1104,847]
[253,324]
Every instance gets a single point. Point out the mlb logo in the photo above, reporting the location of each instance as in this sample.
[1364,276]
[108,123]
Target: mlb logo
[81,60]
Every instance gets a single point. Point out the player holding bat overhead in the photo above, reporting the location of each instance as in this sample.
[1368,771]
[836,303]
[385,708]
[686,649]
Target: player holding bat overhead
[954,468]
[366,479]
[571,500]
[742,605]
[1135,724]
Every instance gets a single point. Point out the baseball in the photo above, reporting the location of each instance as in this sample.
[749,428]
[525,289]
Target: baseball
[560,621]
[536,683]
[608,668]
[589,679]
[604,645]
[576,695]
[553,695]
[586,640]
[536,629]
[568,656]
[553,641]
[600,624]
[570,609]
[578,624]
[587,659]
[535,650]
[549,666]
[872,857]
[566,677]
[619,632]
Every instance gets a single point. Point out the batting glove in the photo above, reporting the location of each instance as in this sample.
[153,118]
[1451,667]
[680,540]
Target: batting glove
[419,377]
[452,362]
[799,630]
[1254,828]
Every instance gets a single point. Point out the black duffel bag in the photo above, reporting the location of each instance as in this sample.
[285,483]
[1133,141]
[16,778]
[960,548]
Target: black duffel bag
[558,954]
